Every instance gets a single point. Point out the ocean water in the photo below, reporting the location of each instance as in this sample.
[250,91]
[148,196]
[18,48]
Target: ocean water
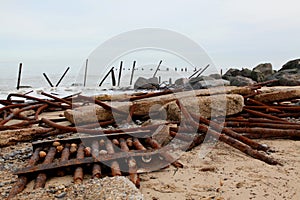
[33,79]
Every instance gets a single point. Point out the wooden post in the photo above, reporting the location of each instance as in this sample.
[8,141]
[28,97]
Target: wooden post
[132,72]
[120,73]
[19,76]
[61,78]
[85,72]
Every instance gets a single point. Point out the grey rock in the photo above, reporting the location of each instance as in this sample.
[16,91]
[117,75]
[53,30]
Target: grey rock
[261,72]
[241,81]
[143,83]
[290,79]
[61,195]
[246,72]
[231,73]
[293,64]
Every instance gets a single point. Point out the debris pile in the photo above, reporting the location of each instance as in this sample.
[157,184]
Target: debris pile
[129,134]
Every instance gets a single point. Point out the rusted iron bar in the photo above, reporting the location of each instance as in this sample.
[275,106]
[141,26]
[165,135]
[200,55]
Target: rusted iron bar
[269,108]
[78,174]
[260,114]
[12,115]
[263,125]
[58,99]
[96,172]
[22,180]
[289,115]
[239,145]
[138,145]
[232,134]
[230,141]
[114,165]
[48,80]
[102,104]
[42,177]
[65,155]
[132,166]
[98,132]
[41,168]
[265,83]
[169,158]
[35,99]
[153,94]
[19,76]
[132,72]
[269,131]
[61,78]
[279,108]
[5,108]
[40,110]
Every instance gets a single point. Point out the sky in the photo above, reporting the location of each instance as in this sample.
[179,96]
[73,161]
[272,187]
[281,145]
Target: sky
[51,35]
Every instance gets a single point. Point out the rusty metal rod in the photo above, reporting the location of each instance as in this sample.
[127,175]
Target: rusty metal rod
[96,172]
[132,166]
[263,125]
[12,115]
[65,155]
[22,180]
[169,158]
[269,131]
[50,103]
[114,165]
[78,174]
[260,114]
[230,141]
[58,99]
[42,177]
[102,104]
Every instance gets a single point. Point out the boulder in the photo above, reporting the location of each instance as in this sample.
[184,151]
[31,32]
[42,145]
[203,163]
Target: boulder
[246,72]
[241,81]
[261,72]
[149,84]
[231,73]
[288,77]
[293,64]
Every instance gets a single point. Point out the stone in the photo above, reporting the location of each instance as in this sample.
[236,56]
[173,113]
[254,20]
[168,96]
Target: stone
[293,64]
[182,81]
[231,73]
[143,83]
[261,72]
[246,72]
[288,77]
[241,81]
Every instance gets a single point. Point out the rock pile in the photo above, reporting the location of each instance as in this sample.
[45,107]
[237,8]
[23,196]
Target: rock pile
[288,75]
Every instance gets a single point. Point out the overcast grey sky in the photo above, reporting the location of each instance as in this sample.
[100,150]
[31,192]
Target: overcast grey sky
[235,33]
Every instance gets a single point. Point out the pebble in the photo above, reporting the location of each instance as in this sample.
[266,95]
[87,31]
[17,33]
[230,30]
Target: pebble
[61,195]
